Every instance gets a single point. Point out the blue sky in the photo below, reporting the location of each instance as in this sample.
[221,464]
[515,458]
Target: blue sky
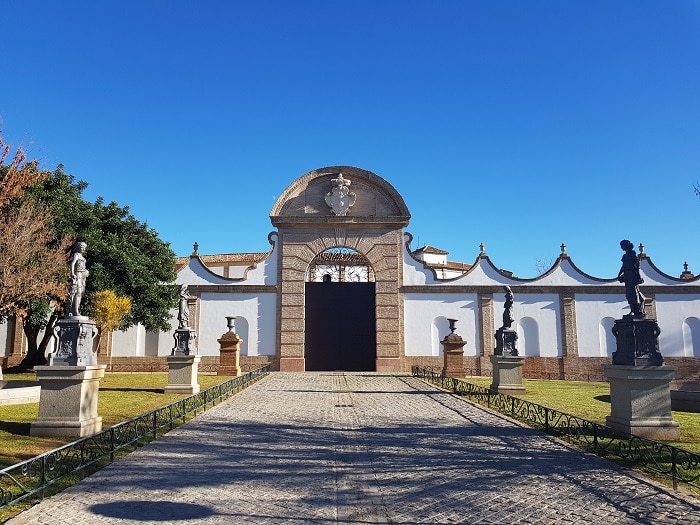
[519,124]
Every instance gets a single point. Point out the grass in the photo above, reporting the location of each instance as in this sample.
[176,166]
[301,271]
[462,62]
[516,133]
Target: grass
[122,396]
[592,401]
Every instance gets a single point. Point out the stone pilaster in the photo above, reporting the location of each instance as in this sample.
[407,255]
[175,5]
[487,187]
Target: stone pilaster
[567,308]
[486,323]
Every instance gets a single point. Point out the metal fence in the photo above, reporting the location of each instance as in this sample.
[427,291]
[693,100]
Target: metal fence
[35,475]
[676,463]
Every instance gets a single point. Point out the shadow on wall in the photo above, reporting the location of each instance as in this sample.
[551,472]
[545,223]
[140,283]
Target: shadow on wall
[691,337]
[528,337]
[243,331]
[438,331]
[607,340]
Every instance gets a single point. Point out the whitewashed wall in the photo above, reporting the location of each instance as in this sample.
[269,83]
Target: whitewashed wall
[5,339]
[679,319]
[255,322]
[595,316]
[537,318]
[425,322]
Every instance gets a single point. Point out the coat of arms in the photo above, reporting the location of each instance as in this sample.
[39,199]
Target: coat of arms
[340,198]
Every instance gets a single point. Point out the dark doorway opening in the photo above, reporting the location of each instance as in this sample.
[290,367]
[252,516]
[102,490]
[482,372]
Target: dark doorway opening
[341,327]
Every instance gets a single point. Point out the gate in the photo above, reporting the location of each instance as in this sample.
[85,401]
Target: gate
[340,332]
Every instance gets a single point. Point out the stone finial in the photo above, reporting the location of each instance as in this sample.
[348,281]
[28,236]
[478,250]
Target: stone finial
[687,274]
[641,250]
[482,249]
[195,249]
[563,249]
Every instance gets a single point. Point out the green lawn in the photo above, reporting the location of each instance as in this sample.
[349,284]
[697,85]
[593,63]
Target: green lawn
[122,396]
[592,401]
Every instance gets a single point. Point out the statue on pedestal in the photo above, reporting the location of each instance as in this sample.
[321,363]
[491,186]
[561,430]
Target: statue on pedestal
[629,274]
[505,336]
[636,335]
[183,315]
[184,336]
[75,333]
[79,275]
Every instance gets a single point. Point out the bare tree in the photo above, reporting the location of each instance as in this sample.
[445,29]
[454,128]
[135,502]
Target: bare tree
[33,265]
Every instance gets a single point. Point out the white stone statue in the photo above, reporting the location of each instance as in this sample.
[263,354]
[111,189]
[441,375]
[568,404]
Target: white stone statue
[79,275]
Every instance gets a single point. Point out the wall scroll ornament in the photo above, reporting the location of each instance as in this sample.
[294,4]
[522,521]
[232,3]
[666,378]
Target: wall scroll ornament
[340,198]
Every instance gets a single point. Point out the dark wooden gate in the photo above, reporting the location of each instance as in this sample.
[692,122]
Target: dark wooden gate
[340,327]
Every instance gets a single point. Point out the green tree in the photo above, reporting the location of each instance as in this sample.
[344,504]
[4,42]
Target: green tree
[33,258]
[123,254]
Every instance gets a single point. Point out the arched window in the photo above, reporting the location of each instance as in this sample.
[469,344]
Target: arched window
[340,265]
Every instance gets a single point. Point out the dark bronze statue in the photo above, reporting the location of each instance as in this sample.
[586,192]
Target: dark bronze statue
[629,274]
[508,317]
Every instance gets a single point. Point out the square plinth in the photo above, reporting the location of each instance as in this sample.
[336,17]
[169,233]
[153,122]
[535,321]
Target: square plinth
[182,374]
[507,374]
[640,401]
[68,401]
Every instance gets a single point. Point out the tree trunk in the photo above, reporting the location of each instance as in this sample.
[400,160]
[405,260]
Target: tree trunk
[36,350]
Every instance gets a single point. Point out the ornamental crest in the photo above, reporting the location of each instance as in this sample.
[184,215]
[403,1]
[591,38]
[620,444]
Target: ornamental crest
[340,198]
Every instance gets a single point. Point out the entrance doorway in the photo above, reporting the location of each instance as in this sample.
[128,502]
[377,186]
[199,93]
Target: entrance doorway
[341,326]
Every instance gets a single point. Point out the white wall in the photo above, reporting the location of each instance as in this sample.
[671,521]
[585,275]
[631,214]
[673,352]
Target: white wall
[258,312]
[425,322]
[534,314]
[595,315]
[677,315]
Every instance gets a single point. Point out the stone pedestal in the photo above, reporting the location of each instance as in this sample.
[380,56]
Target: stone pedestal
[453,352]
[73,337]
[640,401]
[184,341]
[68,401]
[506,342]
[507,374]
[229,354]
[637,341]
[182,374]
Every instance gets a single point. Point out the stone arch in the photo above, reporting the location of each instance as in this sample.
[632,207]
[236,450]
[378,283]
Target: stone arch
[372,226]
[306,195]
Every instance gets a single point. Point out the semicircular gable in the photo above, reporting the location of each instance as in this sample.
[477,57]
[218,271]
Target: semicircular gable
[306,196]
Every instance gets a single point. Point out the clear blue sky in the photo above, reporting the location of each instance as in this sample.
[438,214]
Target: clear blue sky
[519,124]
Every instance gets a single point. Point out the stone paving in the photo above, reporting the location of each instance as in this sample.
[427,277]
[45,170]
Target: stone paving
[358,448]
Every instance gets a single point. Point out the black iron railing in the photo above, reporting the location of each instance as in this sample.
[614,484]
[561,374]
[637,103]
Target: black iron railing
[676,463]
[35,475]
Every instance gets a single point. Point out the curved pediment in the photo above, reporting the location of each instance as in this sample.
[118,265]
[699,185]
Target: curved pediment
[340,191]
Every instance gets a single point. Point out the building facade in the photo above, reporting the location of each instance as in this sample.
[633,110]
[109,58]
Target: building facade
[340,289]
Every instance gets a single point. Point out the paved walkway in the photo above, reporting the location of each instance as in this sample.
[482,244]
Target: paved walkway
[357,448]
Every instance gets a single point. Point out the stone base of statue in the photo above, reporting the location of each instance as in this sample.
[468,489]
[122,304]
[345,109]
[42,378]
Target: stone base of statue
[182,374]
[507,374]
[229,352]
[73,337]
[453,352]
[506,339]
[68,401]
[184,341]
[637,342]
[640,401]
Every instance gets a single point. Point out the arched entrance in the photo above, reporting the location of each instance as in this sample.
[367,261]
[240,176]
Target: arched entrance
[328,208]
[340,323]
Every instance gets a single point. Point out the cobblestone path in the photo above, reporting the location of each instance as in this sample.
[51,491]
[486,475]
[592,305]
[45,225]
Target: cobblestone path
[357,448]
